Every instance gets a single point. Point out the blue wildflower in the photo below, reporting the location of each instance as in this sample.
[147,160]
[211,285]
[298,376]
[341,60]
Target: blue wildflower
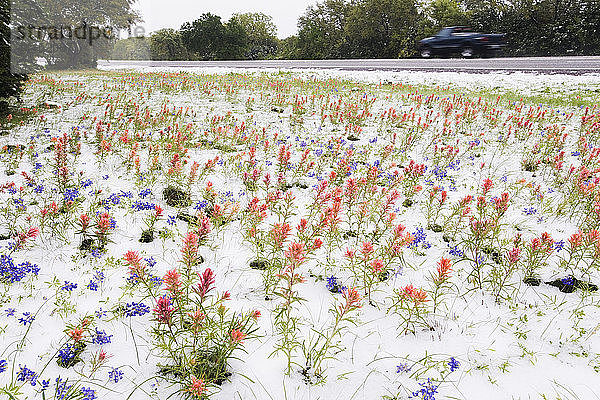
[101,337]
[453,364]
[3,365]
[136,309]
[402,368]
[88,394]
[68,286]
[27,318]
[115,375]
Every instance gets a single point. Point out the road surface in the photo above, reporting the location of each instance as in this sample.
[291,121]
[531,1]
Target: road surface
[543,65]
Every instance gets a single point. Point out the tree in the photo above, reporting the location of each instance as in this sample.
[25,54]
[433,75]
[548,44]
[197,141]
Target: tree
[321,30]
[261,34]
[167,44]
[208,39]
[443,13]
[383,28]
[133,48]
[73,33]
[11,83]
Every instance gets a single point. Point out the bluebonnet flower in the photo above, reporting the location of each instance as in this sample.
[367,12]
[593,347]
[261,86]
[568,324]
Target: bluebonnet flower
[135,309]
[25,374]
[93,285]
[402,368]
[37,166]
[171,220]
[67,354]
[427,391]
[105,177]
[115,375]
[98,253]
[419,238]
[101,337]
[27,318]
[139,205]
[332,284]
[10,312]
[100,313]
[575,153]
[88,394]
[200,205]
[68,286]
[156,281]
[45,384]
[3,365]
[145,193]
[558,246]
[39,189]
[374,140]
[86,183]
[568,281]
[455,251]
[529,211]
[453,364]
[71,194]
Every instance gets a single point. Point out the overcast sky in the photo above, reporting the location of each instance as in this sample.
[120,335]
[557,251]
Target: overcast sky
[159,14]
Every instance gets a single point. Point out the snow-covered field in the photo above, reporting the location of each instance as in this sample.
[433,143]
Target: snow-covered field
[371,235]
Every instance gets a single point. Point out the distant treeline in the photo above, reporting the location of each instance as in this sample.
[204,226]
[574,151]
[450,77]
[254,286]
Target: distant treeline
[335,29]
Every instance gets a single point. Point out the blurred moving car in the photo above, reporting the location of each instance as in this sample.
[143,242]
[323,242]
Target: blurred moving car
[463,41]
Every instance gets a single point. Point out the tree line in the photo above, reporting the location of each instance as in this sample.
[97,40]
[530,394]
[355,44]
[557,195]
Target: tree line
[330,29]
[338,29]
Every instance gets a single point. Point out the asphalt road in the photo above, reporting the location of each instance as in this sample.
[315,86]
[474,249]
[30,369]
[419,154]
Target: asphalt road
[543,65]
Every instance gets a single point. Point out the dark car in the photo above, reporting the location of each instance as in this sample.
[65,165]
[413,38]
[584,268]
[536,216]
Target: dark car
[463,41]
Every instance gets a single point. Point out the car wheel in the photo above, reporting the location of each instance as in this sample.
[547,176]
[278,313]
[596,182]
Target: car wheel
[426,52]
[467,52]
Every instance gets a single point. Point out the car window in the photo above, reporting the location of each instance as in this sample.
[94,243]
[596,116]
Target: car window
[444,32]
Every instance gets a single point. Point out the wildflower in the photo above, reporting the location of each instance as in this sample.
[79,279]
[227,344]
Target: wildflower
[427,391]
[25,374]
[3,365]
[27,318]
[514,255]
[115,375]
[453,364]
[67,355]
[256,314]
[295,253]
[352,300]
[68,286]
[190,250]
[88,394]
[172,280]
[207,280]
[101,337]
[402,368]
[76,334]
[197,387]
[443,270]
[412,294]
[377,266]
[237,336]
[92,286]
[10,312]
[136,309]
[367,248]
[134,261]
[164,310]
[568,281]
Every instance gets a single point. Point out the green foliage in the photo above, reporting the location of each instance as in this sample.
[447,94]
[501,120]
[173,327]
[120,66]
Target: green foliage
[383,28]
[321,30]
[167,44]
[133,48]
[207,38]
[261,34]
[10,83]
[541,28]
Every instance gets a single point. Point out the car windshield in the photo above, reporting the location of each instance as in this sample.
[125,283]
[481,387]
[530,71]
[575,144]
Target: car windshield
[461,30]
[444,32]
